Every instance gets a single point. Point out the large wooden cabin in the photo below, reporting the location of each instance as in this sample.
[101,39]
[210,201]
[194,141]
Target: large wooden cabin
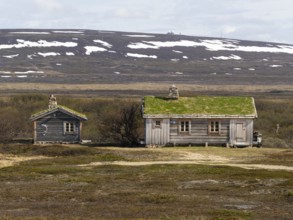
[198,120]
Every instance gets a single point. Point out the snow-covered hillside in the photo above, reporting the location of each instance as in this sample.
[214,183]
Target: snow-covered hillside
[86,56]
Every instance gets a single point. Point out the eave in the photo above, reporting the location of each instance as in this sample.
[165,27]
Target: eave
[198,116]
[62,109]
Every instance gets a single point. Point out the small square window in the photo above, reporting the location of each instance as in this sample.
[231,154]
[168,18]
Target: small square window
[69,127]
[214,127]
[184,126]
[157,124]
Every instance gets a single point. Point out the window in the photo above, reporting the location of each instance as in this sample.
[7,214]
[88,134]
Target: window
[158,123]
[215,127]
[69,127]
[184,127]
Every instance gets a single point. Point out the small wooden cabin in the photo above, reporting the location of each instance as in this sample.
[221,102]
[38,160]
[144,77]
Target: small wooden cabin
[57,124]
[198,120]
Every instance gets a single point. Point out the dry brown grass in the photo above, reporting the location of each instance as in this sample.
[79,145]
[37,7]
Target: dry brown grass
[40,87]
[56,188]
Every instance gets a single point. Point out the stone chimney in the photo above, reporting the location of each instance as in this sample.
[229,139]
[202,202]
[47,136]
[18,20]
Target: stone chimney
[173,92]
[52,102]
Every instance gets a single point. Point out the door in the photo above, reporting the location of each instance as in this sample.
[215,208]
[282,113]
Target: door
[157,131]
[240,132]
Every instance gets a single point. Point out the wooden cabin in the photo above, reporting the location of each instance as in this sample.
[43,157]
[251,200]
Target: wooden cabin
[57,124]
[198,120]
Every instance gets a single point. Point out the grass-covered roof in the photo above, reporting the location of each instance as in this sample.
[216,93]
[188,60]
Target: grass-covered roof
[59,107]
[200,105]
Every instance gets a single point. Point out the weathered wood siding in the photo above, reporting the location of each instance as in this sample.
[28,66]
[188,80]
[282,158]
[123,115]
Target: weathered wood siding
[235,132]
[157,135]
[199,133]
[51,129]
[241,132]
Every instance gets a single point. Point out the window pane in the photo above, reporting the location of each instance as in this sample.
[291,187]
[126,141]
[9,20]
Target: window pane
[217,126]
[212,126]
[186,126]
[182,126]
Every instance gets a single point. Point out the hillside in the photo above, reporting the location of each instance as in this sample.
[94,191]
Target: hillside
[105,57]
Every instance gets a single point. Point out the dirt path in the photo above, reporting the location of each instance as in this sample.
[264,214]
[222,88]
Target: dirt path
[186,158]
[195,158]
[11,160]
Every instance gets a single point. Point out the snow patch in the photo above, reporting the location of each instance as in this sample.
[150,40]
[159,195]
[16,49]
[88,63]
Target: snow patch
[117,73]
[11,56]
[236,68]
[175,60]
[31,56]
[5,72]
[22,76]
[5,76]
[251,69]
[29,72]
[104,43]
[232,57]
[185,57]
[212,45]
[141,55]
[58,64]
[70,54]
[179,73]
[276,66]
[92,49]
[49,54]
[40,43]
[177,51]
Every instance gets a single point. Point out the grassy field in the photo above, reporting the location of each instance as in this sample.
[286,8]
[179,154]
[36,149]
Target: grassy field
[64,184]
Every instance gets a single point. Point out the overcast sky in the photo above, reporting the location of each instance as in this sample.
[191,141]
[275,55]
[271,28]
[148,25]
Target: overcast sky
[263,20]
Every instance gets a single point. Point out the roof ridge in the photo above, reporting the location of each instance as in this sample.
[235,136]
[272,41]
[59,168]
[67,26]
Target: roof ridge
[69,110]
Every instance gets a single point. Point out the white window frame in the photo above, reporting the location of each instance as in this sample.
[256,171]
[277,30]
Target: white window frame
[215,127]
[69,127]
[185,126]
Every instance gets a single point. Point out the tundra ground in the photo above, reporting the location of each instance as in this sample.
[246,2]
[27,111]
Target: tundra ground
[80,182]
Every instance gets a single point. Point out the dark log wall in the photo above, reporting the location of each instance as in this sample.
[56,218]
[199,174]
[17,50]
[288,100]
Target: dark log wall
[51,129]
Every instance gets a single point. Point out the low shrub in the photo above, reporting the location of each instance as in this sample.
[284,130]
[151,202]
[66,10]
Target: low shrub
[272,142]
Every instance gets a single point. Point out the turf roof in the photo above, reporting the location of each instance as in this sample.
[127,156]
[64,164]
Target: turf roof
[58,107]
[200,105]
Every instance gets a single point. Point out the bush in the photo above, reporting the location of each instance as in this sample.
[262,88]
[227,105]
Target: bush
[274,142]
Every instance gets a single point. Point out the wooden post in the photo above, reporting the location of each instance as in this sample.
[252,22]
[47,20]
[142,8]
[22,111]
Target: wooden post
[80,129]
[35,132]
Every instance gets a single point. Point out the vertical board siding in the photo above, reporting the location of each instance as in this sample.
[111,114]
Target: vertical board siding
[248,132]
[157,135]
[169,132]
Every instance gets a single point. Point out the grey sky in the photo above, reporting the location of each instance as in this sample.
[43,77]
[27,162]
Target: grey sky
[264,20]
